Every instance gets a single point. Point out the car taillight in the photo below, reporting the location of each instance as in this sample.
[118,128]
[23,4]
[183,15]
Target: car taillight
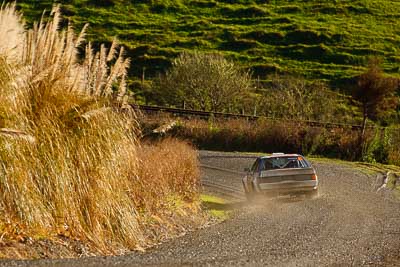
[314,177]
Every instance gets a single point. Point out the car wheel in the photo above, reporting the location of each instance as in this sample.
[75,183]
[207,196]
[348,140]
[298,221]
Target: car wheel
[250,194]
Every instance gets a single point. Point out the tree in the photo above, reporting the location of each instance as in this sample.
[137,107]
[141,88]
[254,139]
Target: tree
[296,98]
[376,93]
[204,81]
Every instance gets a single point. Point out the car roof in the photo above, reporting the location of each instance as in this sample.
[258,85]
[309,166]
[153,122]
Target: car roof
[280,155]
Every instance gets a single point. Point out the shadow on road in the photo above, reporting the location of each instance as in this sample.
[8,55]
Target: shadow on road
[224,206]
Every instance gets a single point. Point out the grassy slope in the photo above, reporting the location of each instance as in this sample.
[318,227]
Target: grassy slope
[326,40]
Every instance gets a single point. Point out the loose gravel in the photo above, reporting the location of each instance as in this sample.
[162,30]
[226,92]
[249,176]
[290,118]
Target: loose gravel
[348,224]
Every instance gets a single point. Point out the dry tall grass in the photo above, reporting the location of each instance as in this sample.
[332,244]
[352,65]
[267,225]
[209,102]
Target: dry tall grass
[69,162]
[177,176]
[168,187]
[268,136]
[11,32]
[382,145]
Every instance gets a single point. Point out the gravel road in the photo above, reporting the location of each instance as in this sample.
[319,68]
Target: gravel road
[349,224]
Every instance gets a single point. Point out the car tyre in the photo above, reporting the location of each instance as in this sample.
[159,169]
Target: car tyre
[251,195]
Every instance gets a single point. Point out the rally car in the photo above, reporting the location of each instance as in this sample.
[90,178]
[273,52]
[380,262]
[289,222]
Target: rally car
[280,174]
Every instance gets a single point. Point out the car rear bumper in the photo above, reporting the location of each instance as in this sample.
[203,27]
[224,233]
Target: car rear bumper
[288,187]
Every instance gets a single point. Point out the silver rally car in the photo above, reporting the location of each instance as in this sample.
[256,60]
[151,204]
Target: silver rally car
[280,174]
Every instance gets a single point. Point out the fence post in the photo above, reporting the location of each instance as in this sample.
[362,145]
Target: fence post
[143,76]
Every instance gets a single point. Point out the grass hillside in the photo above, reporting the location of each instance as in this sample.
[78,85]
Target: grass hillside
[327,40]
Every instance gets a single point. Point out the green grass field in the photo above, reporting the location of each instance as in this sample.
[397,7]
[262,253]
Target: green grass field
[326,40]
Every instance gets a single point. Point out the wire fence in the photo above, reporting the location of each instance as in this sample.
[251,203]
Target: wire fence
[208,114]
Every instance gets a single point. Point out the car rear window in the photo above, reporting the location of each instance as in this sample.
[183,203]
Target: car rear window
[283,163]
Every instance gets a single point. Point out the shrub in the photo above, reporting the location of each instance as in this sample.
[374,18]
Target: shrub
[270,136]
[204,81]
[392,144]
[376,94]
[294,98]
[166,168]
